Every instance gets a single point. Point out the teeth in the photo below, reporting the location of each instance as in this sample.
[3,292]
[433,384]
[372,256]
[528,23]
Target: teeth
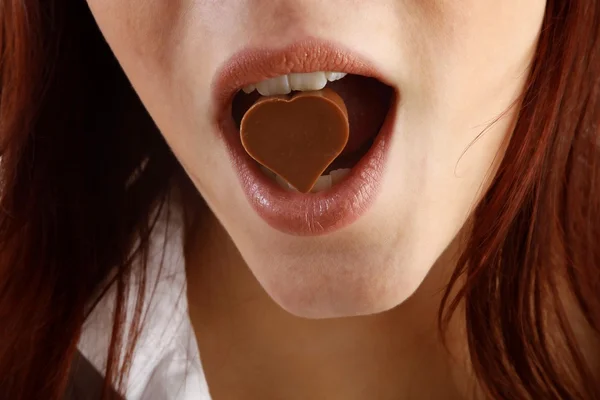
[334,76]
[249,89]
[323,183]
[273,86]
[284,84]
[311,81]
[339,174]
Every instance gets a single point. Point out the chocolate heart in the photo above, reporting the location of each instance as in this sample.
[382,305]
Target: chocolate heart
[297,136]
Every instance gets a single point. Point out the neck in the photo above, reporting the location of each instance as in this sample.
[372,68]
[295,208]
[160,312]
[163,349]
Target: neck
[251,348]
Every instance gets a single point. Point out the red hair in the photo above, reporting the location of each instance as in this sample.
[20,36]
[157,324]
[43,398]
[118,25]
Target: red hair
[72,222]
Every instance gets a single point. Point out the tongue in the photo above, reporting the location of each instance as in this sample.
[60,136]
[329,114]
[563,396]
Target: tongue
[368,102]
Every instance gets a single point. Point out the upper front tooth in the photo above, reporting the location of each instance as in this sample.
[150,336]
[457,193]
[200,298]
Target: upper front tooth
[274,86]
[284,84]
[249,89]
[334,76]
[308,81]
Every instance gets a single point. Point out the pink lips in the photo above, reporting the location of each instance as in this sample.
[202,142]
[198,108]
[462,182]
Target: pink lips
[293,212]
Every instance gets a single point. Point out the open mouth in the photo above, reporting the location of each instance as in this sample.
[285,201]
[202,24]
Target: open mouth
[348,186]
[367,100]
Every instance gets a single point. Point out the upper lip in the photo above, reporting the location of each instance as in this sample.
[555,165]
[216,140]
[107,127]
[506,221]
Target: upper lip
[254,65]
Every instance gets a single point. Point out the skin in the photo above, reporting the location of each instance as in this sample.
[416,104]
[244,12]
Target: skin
[458,66]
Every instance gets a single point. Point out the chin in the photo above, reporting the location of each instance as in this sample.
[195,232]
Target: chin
[334,286]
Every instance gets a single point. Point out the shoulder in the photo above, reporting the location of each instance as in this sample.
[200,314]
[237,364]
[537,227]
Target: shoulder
[166,363]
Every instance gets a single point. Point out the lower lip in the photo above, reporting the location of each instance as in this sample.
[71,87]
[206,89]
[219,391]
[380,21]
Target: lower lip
[312,214]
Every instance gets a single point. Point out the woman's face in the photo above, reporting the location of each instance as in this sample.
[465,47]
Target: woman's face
[365,244]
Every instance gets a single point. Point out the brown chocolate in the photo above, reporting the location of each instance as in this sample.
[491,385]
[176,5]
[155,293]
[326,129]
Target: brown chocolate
[297,136]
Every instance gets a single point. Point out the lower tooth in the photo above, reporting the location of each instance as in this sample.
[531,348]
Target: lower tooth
[339,174]
[323,183]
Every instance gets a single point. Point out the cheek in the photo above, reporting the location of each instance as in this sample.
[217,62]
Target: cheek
[468,24]
[467,50]
[143,28]
[156,42]
[142,34]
